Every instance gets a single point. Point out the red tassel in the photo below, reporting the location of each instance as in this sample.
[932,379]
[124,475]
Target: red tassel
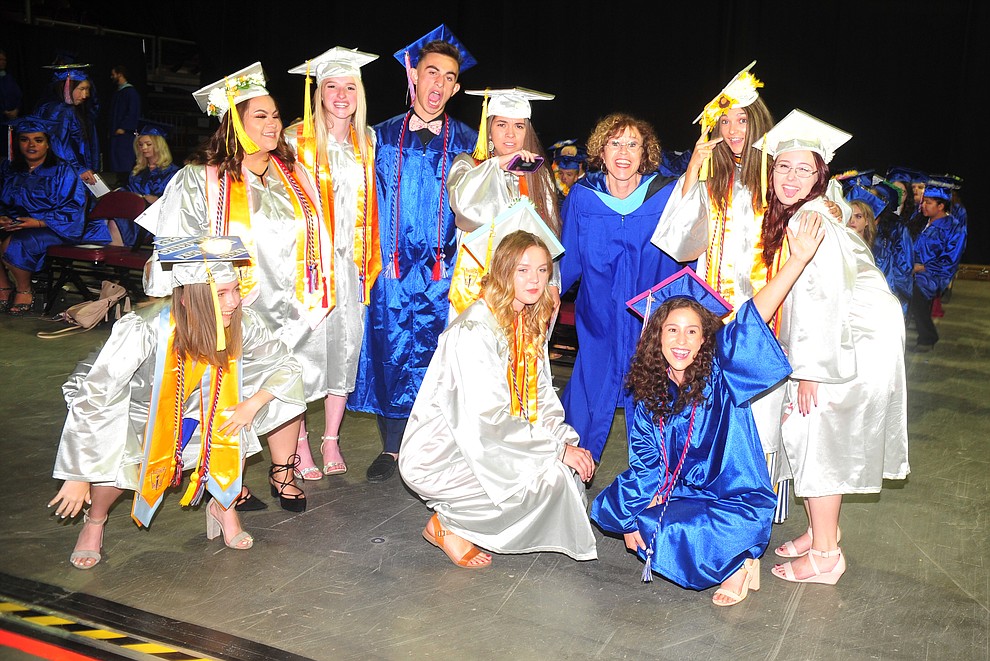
[395,265]
[326,299]
[438,268]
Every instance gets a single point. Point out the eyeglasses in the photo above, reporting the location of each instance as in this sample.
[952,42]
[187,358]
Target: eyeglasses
[630,145]
[801,171]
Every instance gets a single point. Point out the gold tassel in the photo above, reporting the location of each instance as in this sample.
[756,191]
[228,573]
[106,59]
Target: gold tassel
[481,147]
[308,128]
[221,335]
[235,120]
[763,171]
[705,165]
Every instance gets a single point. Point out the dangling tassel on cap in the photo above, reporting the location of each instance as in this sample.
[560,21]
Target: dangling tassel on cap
[763,171]
[481,147]
[221,335]
[67,91]
[409,80]
[309,130]
[247,143]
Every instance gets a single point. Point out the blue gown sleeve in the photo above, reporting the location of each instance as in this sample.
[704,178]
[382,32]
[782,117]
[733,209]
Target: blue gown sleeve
[570,263]
[617,507]
[750,357]
[65,210]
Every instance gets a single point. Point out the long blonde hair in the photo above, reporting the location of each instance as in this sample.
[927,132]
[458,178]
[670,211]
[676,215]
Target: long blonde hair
[498,290]
[323,120]
[161,148]
[195,326]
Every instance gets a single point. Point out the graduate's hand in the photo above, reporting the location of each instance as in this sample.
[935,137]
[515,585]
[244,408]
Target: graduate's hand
[88,177]
[834,209]
[804,243]
[503,161]
[241,418]
[807,396]
[72,497]
[918,268]
[702,150]
[580,460]
[634,541]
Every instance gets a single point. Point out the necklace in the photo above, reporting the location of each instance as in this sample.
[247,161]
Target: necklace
[263,172]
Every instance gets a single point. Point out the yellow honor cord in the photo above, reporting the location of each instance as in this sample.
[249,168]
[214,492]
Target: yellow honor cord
[763,171]
[221,335]
[308,128]
[235,120]
[706,164]
[481,147]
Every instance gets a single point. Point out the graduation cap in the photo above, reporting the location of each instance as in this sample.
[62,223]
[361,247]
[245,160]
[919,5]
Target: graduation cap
[218,97]
[890,193]
[338,61]
[952,181]
[850,178]
[906,175]
[33,124]
[683,284]
[203,260]
[738,93]
[73,71]
[939,188]
[522,215]
[568,154]
[513,103]
[409,56]
[148,127]
[801,131]
[857,192]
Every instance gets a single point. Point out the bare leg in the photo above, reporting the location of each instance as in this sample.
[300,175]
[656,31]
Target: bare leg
[333,460]
[91,535]
[282,444]
[307,465]
[22,283]
[823,513]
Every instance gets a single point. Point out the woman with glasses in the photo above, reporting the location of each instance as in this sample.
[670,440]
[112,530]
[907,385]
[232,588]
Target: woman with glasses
[608,218]
[844,424]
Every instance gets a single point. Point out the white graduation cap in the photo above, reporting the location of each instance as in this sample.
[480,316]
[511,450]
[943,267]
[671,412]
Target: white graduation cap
[194,259]
[738,93]
[216,98]
[338,61]
[801,131]
[512,103]
[520,216]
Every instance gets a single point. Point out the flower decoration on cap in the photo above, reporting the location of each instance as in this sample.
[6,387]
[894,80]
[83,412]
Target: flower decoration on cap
[739,93]
[216,99]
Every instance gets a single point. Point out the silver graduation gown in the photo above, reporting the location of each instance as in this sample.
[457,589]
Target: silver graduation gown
[841,327]
[181,211]
[109,393]
[343,330]
[493,478]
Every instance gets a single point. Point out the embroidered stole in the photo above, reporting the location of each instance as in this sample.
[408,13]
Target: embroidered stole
[218,468]
[523,374]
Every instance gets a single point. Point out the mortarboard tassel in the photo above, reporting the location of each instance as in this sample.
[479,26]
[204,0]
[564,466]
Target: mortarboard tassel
[763,172]
[308,128]
[481,146]
[67,90]
[221,335]
[409,80]
[235,120]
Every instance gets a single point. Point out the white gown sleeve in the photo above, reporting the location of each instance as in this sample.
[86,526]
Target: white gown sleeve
[682,231]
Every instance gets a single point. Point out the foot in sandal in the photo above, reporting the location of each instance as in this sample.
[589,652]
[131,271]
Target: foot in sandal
[460,551]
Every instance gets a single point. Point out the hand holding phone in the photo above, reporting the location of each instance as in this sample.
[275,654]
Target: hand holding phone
[519,165]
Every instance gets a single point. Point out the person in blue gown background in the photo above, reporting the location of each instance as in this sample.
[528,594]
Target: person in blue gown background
[892,247]
[409,305]
[696,503]
[153,169]
[73,112]
[608,219]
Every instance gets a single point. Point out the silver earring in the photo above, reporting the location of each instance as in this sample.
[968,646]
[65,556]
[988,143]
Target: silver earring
[491,147]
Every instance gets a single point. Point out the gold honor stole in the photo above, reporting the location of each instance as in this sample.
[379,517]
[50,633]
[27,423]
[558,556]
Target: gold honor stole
[228,202]
[465,285]
[367,242]
[218,469]
[778,260]
[523,375]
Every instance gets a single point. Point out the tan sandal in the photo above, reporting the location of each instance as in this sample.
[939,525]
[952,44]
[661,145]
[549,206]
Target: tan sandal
[750,581]
[437,536]
[78,557]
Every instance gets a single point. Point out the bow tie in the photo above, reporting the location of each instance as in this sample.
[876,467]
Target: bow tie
[417,124]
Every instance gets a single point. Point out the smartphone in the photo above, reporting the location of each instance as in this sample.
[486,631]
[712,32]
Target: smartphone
[521,166]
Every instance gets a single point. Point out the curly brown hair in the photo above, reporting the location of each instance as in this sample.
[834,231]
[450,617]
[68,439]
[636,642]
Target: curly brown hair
[224,150]
[612,126]
[647,380]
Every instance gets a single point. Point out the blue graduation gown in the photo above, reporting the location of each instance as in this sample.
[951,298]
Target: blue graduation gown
[721,508]
[125,109]
[54,194]
[71,141]
[145,182]
[939,248]
[892,252]
[612,255]
[407,314]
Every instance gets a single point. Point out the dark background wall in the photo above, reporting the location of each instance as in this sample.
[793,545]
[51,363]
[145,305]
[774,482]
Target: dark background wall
[904,77]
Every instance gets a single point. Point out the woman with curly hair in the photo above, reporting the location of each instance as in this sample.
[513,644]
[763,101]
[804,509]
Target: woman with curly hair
[608,218]
[696,502]
[246,182]
[486,445]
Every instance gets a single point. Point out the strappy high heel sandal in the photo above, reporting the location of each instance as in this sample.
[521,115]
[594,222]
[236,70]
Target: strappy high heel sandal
[78,557]
[20,309]
[750,581]
[334,463]
[289,502]
[830,577]
[789,550]
[242,541]
[311,473]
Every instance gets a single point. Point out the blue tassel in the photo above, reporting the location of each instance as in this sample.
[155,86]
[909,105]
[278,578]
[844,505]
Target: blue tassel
[648,567]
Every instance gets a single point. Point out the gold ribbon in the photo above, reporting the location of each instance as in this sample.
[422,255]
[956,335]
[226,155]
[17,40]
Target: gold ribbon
[247,143]
[523,374]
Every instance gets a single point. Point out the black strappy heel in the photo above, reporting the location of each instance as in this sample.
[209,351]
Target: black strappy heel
[290,502]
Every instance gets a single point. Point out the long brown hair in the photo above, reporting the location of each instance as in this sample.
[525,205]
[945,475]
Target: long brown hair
[778,214]
[870,231]
[542,192]
[195,326]
[758,122]
[224,151]
[647,380]
[499,292]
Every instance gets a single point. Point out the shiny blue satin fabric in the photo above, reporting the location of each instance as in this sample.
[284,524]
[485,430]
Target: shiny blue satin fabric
[892,251]
[408,313]
[612,256]
[145,182]
[721,507]
[939,247]
[73,141]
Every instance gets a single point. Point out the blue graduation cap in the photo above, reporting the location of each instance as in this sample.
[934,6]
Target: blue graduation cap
[862,194]
[62,72]
[890,193]
[148,127]
[568,154]
[851,178]
[33,124]
[440,33]
[908,175]
[683,284]
[940,188]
